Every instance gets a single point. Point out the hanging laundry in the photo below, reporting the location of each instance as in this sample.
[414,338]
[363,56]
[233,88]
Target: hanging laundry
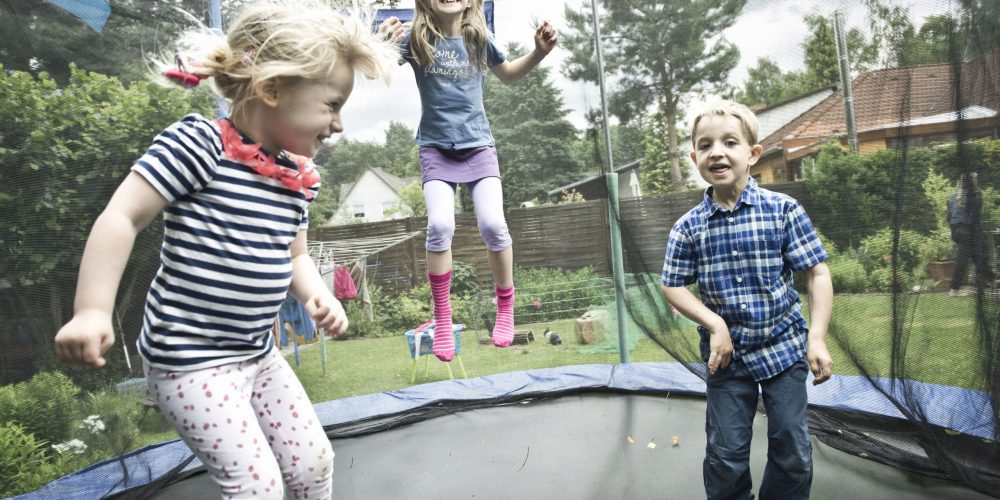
[294,313]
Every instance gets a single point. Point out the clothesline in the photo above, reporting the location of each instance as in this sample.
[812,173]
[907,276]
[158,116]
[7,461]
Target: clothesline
[344,252]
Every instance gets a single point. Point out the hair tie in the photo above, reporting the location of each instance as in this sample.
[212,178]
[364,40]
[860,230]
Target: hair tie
[181,76]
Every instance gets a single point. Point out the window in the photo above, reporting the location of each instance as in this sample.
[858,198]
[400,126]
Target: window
[387,207]
[358,211]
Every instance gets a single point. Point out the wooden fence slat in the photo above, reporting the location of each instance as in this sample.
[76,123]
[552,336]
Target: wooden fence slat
[568,236]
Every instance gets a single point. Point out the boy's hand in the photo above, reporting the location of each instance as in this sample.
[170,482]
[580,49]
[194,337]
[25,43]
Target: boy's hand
[328,313]
[721,347]
[545,37]
[85,339]
[820,361]
[391,29]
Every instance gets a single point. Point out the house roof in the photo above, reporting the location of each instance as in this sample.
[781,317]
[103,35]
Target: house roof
[624,168]
[895,97]
[778,115]
[394,182]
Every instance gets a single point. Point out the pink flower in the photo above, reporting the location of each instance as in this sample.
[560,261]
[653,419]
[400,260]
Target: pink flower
[537,303]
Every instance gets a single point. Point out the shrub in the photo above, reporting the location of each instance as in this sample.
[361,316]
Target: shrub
[45,406]
[21,458]
[937,247]
[463,279]
[111,425]
[854,196]
[847,274]
[877,258]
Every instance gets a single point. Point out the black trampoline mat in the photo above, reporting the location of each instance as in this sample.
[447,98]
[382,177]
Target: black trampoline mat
[590,446]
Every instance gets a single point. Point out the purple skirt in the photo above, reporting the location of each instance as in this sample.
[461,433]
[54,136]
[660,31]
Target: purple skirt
[459,165]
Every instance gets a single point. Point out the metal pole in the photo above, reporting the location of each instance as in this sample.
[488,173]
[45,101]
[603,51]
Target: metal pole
[845,78]
[611,178]
[600,79]
[617,265]
[215,22]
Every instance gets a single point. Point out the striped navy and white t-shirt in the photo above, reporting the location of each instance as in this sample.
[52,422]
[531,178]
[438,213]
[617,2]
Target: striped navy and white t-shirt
[225,265]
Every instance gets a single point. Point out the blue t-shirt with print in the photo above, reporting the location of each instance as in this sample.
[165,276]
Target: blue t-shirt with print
[451,95]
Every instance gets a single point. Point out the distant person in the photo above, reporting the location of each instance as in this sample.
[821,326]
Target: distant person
[741,245]
[450,48]
[965,208]
[235,195]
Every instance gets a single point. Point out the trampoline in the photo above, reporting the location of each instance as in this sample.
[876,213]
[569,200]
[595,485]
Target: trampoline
[635,430]
[632,431]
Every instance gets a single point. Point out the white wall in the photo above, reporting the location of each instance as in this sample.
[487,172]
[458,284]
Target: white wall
[369,195]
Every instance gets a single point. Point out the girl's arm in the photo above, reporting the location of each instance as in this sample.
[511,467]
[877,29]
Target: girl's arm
[308,287]
[88,335]
[511,72]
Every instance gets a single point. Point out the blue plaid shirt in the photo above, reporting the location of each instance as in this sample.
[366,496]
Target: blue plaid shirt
[743,260]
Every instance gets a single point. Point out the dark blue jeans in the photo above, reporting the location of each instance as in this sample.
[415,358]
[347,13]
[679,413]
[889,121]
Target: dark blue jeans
[732,402]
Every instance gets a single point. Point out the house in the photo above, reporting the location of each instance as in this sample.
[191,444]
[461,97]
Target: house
[912,103]
[373,197]
[593,187]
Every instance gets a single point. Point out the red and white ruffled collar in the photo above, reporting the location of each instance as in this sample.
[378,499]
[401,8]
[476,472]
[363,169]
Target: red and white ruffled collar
[261,161]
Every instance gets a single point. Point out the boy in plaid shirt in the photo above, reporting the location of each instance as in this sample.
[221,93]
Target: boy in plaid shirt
[741,244]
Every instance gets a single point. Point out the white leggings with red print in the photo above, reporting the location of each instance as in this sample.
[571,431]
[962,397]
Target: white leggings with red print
[251,425]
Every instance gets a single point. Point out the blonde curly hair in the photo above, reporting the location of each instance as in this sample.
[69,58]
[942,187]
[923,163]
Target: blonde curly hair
[748,120]
[280,39]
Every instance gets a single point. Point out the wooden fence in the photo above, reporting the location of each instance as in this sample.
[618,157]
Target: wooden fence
[568,236]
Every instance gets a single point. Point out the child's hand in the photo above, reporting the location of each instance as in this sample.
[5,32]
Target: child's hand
[820,361]
[721,347]
[545,37]
[85,339]
[392,29]
[328,313]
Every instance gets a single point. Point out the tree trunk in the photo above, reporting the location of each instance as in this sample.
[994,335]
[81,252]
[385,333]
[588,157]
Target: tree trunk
[675,164]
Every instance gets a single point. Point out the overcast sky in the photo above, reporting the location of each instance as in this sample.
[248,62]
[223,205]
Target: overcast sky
[772,28]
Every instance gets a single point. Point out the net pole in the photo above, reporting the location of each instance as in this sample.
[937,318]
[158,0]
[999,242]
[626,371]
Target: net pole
[215,22]
[617,265]
[845,78]
[611,178]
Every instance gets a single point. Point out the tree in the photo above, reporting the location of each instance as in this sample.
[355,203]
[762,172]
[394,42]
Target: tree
[981,19]
[626,143]
[38,36]
[822,65]
[767,84]
[657,52]
[533,136]
[64,150]
[401,150]
[411,201]
[855,196]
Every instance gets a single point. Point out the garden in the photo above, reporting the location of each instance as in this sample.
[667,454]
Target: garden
[60,420]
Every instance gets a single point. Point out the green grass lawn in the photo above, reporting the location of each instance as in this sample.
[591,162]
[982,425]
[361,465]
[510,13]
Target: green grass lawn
[938,343]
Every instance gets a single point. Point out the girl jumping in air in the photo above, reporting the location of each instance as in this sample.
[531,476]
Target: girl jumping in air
[450,48]
[235,195]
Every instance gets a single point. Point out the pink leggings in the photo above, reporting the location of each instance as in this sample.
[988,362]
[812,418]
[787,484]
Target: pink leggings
[251,425]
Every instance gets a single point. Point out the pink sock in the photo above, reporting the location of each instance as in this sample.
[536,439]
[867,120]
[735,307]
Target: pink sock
[503,330]
[444,342]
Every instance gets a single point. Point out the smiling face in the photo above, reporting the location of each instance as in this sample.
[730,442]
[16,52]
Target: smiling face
[723,155]
[304,112]
[445,10]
